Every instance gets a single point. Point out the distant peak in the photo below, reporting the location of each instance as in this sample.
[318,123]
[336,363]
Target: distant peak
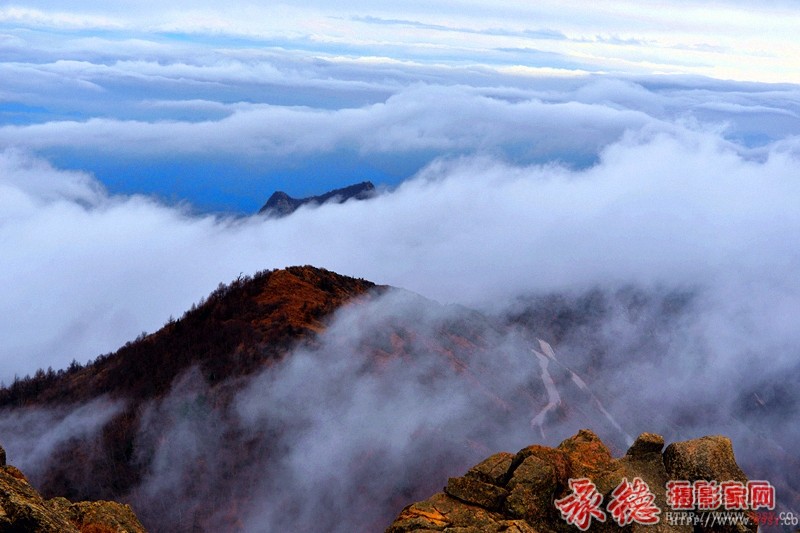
[281,204]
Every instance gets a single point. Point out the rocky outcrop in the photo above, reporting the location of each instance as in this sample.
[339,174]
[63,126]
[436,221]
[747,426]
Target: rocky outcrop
[518,492]
[281,204]
[22,508]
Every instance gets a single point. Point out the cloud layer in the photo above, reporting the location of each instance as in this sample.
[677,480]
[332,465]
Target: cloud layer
[85,271]
[724,39]
[222,108]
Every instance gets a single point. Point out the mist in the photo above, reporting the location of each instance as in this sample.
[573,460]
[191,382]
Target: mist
[31,436]
[341,436]
[679,243]
[85,271]
[589,216]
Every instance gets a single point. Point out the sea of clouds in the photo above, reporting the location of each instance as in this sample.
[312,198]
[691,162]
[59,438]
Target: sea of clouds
[664,202]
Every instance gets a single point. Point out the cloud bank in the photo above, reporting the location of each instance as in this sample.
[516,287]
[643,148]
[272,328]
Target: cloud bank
[220,109]
[85,271]
[723,39]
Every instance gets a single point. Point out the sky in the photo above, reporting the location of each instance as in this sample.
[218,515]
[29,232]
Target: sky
[519,150]
[219,107]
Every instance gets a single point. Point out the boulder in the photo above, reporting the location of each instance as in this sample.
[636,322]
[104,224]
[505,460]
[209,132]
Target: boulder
[22,508]
[517,492]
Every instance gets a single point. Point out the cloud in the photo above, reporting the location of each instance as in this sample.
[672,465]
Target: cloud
[662,206]
[419,119]
[274,106]
[340,427]
[627,38]
[529,184]
[646,191]
[32,436]
[182,118]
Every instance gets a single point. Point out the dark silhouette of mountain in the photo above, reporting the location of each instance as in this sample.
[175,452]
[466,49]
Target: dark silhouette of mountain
[281,204]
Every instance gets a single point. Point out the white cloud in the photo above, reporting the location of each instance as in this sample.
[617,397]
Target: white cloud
[31,436]
[418,119]
[87,272]
[722,39]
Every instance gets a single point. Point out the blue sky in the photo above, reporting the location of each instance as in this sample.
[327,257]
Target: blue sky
[219,107]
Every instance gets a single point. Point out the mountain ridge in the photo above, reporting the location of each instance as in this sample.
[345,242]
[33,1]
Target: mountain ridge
[246,382]
[281,204]
[254,319]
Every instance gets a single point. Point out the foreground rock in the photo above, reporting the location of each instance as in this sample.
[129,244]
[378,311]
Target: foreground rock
[23,509]
[516,493]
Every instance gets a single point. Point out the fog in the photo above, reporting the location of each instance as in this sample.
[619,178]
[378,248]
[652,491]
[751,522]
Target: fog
[31,436]
[676,214]
[636,170]
[85,271]
[340,437]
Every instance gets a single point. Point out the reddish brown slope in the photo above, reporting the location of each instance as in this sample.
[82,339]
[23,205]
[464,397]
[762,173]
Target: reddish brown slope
[239,328]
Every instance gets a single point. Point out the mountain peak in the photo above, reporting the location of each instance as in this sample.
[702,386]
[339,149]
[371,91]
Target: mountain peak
[237,329]
[281,204]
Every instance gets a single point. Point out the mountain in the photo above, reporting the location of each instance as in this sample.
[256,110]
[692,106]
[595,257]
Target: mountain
[239,328]
[518,492]
[303,400]
[240,384]
[281,204]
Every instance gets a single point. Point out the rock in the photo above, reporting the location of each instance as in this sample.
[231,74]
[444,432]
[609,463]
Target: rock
[16,472]
[533,486]
[106,516]
[517,493]
[472,490]
[709,458]
[444,513]
[646,443]
[23,509]
[492,470]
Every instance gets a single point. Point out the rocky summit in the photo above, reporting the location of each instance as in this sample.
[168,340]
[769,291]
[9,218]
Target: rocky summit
[22,508]
[281,204]
[517,493]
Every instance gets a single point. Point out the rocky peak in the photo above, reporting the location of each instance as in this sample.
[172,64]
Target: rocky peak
[517,492]
[281,204]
